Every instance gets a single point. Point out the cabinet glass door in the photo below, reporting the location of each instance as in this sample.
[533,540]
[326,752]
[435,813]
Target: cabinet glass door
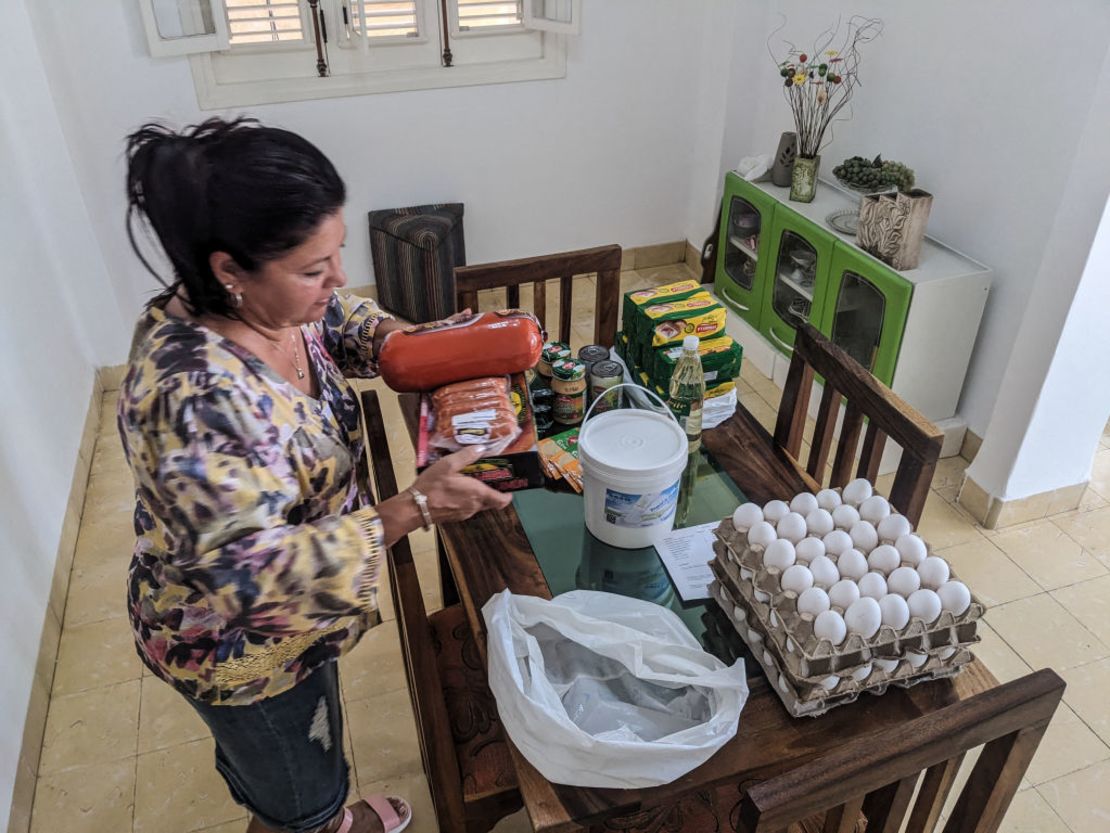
[858,319]
[742,242]
[797,279]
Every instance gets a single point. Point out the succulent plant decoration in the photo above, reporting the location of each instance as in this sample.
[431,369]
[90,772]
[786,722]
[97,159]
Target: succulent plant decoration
[818,83]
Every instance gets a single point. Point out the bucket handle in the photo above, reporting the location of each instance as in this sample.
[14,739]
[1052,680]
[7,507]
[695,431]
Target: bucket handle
[650,393]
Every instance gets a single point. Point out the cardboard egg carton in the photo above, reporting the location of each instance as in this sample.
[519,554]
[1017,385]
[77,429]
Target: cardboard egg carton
[800,651]
[813,697]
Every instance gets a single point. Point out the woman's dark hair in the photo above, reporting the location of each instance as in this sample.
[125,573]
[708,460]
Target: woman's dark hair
[224,186]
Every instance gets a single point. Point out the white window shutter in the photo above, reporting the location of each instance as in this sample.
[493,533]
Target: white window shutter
[562,16]
[485,15]
[184,27]
[267,21]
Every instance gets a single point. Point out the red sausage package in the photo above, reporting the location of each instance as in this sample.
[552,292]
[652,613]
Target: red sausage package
[428,356]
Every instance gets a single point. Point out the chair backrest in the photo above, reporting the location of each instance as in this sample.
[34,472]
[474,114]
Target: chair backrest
[867,398]
[878,774]
[605,261]
[437,747]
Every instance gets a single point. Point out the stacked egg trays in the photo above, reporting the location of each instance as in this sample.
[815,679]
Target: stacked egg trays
[835,596]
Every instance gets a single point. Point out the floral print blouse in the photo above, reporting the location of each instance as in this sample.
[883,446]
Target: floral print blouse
[258,552]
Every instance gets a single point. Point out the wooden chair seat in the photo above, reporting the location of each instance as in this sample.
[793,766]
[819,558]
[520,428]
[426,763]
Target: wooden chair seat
[485,764]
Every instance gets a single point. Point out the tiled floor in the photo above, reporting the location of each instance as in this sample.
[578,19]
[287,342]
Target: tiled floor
[123,753]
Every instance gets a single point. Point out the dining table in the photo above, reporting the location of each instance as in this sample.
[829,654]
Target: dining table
[539,546]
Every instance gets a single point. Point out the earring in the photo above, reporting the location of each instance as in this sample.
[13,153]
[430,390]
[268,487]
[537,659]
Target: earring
[236,297]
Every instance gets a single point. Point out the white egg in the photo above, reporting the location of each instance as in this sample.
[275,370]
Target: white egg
[886,665]
[796,579]
[773,510]
[830,682]
[864,536]
[925,605]
[790,646]
[933,571]
[830,625]
[845,516]
[837,541]
[896,613]
[862,673]
[904,581]
[809,548]
[884,559]
[754,638]
[872,586]
[746,574]
[768,659]
[828,499]
[746,516]
[916,659]
[813,602]
[803,503]
[774,619]
[954,597]
[946,653]
[824,571]
[874,509]
[852,564]
[893,527]
[857,491]
[779,554]
[739,614]
[760,596]
[844,594]
[911,548]
[761,534]
[864,617]
[819,522]
[784,686]
[792,527]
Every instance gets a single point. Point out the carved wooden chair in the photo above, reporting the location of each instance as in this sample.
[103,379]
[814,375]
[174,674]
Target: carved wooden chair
[510,275]
[466,760]
[887,416]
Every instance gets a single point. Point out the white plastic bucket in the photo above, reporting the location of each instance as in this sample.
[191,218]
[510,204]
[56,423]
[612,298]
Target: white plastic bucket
[632,461]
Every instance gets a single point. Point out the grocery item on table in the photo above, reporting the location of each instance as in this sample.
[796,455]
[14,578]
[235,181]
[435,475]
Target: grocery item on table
[510,466]
[668,323]
[634,301]
[686,399]
[569,383]
[427,356]
[474,412]
[720,361]
[552,352]
[591,354]
[560,458]
[603,376]
[842,612]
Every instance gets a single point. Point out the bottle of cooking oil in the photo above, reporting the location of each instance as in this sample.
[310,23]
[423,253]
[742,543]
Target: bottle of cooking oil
[687,396]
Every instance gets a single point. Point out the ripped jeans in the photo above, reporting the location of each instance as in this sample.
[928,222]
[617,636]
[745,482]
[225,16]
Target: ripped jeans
[282,757]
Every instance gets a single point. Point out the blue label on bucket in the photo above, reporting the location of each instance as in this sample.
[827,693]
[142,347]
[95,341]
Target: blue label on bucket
[638,511]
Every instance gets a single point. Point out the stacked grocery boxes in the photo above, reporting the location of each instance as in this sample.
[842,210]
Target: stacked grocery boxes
[655,322]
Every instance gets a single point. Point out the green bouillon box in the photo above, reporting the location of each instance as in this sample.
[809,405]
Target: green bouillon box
[720,361]
[634,301]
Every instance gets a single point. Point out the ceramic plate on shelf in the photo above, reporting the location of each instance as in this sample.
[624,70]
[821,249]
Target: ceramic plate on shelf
[846,220]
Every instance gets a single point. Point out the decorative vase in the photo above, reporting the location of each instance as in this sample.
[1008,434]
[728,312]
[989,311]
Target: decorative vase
[783,168]
[892,226]
[803,179]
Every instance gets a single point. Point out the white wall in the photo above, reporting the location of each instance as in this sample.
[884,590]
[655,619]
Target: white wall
[600,156]
[56,314]
[984,100]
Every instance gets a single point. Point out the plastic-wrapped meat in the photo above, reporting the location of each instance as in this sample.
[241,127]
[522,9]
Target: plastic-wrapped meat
[476,412]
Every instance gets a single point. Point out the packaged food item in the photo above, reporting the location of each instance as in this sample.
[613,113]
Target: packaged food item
[475,412]
[634,301]
[552,352]
[427,356]
[517,466]
[591,354]
[669,323]
[569,384]
[560,456]
[603,376]
[720,361]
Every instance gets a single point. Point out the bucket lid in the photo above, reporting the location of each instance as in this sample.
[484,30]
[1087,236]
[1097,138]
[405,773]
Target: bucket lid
[632,441]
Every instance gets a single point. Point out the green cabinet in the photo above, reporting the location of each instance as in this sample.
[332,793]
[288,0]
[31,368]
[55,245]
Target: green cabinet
[865,310]
[797,277]
[743,245]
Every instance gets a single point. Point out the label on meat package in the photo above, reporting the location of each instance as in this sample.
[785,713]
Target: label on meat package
[458,323]
[636,511]
[473,428]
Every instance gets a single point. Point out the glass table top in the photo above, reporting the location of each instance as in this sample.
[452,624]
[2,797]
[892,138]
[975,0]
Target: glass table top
[573,559]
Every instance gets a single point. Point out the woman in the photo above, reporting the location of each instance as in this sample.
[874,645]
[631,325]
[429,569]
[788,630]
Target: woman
[258,554]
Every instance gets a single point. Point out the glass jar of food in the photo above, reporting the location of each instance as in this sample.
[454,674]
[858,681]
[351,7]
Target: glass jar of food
[569,383]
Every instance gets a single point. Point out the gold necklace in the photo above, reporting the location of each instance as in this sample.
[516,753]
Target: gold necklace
[277,343]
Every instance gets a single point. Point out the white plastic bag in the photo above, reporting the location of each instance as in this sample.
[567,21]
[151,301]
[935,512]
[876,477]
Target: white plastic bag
[600,690]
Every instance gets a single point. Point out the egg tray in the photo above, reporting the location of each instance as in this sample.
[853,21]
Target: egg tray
[808,698]
[803,653]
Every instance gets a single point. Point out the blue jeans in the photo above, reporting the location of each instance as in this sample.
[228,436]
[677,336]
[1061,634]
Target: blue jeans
[282,757]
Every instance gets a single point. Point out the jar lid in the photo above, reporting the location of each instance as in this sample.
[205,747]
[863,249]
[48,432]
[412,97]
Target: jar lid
[555,350]
[593,353]
[568,370]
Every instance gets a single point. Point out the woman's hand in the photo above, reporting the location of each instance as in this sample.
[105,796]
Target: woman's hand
[454,496]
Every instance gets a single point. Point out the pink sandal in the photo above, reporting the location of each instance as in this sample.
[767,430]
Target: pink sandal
[380,804]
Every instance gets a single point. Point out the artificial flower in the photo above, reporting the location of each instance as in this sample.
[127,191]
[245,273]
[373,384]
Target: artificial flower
[800,79]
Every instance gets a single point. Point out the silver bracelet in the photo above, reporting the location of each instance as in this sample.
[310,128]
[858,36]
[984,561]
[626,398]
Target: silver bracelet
[422,504]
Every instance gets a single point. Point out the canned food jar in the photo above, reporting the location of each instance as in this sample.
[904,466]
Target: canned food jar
[591,354]
[569,383]
[552,352]
[603,376]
